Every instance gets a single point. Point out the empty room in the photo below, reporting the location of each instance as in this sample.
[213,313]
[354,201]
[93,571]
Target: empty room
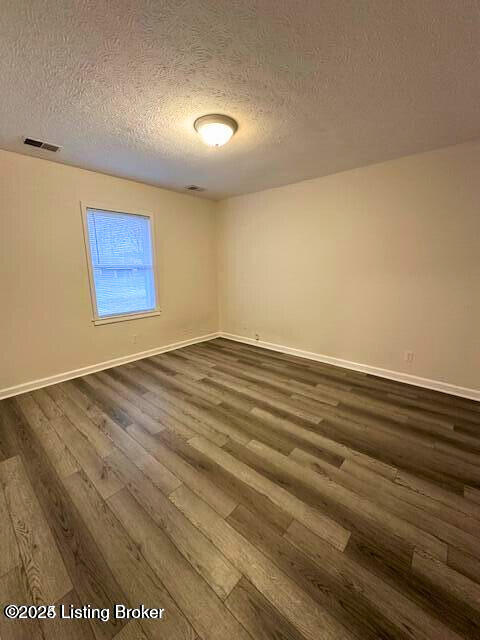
[240,284]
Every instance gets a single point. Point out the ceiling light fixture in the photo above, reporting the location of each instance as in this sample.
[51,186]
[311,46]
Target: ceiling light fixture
[215,130]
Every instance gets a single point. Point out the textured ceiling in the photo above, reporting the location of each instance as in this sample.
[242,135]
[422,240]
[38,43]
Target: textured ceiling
[317,86]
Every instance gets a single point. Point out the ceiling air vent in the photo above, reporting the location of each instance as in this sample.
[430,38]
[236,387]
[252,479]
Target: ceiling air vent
[41,145]
[194,187]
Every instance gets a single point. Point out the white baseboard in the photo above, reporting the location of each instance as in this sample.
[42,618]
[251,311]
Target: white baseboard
[108,364]
[426,383]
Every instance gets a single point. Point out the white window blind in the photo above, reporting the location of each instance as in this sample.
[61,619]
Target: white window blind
[121,262]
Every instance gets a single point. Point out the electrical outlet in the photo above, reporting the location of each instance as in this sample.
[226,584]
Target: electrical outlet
[409,356]
[257,337]
[135,338]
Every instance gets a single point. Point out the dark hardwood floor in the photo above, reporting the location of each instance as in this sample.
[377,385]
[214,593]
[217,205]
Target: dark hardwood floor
[249,494]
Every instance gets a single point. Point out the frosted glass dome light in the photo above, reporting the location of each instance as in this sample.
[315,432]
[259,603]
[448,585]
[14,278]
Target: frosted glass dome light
[215,130]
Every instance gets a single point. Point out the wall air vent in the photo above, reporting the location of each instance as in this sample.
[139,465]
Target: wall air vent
[194,187]
[41,145]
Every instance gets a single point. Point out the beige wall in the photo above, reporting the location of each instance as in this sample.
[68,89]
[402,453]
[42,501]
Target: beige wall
[363,265]
[45,321]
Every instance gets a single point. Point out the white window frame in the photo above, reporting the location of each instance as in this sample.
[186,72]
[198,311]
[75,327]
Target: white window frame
[121,317]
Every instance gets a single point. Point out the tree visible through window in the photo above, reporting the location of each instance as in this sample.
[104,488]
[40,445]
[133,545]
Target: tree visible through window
[121,257]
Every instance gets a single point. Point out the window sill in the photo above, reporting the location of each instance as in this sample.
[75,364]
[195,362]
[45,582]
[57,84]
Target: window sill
[130,316]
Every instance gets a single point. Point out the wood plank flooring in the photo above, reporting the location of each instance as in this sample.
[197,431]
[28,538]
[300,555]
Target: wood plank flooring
[249,494]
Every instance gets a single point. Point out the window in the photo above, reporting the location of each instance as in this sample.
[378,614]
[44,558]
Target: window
[121,264]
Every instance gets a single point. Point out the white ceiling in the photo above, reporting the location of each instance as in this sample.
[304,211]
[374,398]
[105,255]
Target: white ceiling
[317,86]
